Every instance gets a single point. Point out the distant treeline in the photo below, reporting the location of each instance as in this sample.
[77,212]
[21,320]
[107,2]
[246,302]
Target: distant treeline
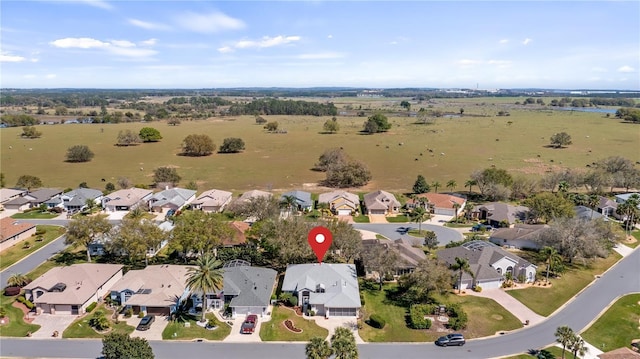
[280,107]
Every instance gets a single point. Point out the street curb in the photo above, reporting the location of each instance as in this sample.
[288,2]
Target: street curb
[36,251]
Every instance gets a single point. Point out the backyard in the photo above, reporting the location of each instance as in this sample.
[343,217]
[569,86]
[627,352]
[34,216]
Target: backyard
[275,330]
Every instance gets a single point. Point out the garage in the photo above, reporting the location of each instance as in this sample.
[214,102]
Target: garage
[344,212]
[158,310]
[61,309]
[342,312]
[377,211]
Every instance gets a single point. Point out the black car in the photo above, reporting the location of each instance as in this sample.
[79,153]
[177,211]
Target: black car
[146,322]
[451,339]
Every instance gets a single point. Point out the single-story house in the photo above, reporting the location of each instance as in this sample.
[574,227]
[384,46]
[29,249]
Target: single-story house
[33,199]
[156,289]
[249,195]
[70,289]
[13,232]
[381,202]
[340,202]
[519,236]
[125,199]
[588,214]
[8,194]
[607,207]
[409,256]
[489,264]
[498,214]
[213,200]
[246,289]
[328,289]
[620,353]
[76,200]
[439,203]
[99,245]
[622,198]
[171,198]
[303,200]
[238,238]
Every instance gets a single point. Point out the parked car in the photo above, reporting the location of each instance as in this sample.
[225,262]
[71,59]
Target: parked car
[480,227]
[451,339]
[249,325]
[146,322]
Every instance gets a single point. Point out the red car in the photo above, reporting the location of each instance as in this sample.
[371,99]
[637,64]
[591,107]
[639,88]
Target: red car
[249,325]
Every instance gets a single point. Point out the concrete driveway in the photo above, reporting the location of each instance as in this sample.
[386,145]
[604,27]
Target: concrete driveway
[153,333]
[377,218]
[50,323]
[237,337]
[336,322]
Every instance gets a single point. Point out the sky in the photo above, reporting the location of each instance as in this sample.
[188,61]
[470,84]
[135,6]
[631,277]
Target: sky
[373,44]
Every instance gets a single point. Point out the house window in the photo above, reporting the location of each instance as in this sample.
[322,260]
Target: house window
[510,269]
[499,270]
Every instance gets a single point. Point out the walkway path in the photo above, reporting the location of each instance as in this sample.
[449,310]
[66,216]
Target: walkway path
[622,249]
[511,304]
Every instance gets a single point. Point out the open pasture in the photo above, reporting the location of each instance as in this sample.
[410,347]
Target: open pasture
[449,149]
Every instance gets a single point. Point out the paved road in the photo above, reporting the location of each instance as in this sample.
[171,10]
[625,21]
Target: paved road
[33,260]
[390,230]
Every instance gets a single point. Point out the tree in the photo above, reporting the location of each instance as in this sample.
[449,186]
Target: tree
[378,258]
[197,145]
[205,277]
[318,348]
[331,126]
[381,123]
[452,184]
[419,215]
[629,211]
[343,344]
[564,335]
[232,145]
[578,347]
[79,153]
[436,185]
[560,140]
[331,157]
[198,232]
[462,266]
[431,240]
[173,121]
[2,180]
[30,132]
[122,346]
[456,207]
[546,206]
[351,174]
[470,183]
[347,241]
[17,280]
[271,126]
[552,256]
[370,127]
[489,177]
[149,134]
[84,230]
[99,321]
[429,276]
[124,182]
[134,237]
[421,185]
[260,120]
[284,241]
[260,208]
[406,104]
[109,187]
[127,138]
[29,182]
[289,202]
[166,174]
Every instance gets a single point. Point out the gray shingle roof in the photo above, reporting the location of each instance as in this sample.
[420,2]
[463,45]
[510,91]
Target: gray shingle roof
[302,198]
[176,196]
[339,281]
[251,286]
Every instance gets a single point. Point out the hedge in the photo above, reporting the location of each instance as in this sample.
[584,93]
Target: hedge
[26,302]
[417,314]
[91,307]
[376,321]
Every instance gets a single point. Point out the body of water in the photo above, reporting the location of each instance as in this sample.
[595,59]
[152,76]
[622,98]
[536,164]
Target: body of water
[586,109]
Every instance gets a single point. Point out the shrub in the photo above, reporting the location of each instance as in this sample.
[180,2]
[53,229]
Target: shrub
[99,321]
[362,299]
[285,298]
[477,289]
[40,231]
[376,321]
[417,316]
[26,302]
[91,307]
[293,300]
[128,313]
[212,323]
[457,317]
[141,314]
[12,290]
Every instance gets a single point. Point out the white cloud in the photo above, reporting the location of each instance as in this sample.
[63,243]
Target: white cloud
[132,52]
[11,58]
[79,42]
[265,42]
[209,23]
[147,25]
[225,49]
[526,41]
[97,3]
[321,56]
[122,43]
[149,42]
[329,36]
[504,41]
[626,69]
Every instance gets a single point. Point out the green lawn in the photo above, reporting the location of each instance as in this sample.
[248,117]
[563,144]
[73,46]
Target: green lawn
[486,317]
[274,330]
[398,219]
[545,301]
[552,349]
[636,235]
[12,255]
[176,330]
[16,326]
[80,328]
[35,215]
[617,326]
[361,219]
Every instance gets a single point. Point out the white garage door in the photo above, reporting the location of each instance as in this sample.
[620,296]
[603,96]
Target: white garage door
[344,212]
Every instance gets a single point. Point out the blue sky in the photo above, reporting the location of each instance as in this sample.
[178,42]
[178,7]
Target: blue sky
[206,44]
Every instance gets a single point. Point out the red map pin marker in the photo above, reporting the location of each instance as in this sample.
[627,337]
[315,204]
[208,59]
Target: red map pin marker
[320,239]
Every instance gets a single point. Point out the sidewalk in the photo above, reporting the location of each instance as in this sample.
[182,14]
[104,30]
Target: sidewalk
[622,249]
[511,304]
[592,352]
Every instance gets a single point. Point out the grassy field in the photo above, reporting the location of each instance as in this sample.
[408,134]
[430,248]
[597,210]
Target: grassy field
[13,254]
[552,349]
[80,328]
[486,317]
[617,326]
[35,215]
[274,330]
[16,326]
[178,331]
[283,161]
[545,301]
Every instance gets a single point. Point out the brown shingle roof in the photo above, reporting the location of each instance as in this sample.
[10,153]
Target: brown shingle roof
[9,227]
[441,200]
[620,353]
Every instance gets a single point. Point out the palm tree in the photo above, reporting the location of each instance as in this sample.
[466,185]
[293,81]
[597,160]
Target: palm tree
[564,335]
[17,280]
[462,265]
[578,346]
[594,200]
[289,203]
[456,206]
[552,256]
[206,277]
[343,344]
[318,348]
[419,215]
[470,183]
[629,209]
[323,207]
[435,186]
[452,184]
[467,210]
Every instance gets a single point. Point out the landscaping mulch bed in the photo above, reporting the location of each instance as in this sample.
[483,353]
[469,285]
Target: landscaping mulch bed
[289,324]
[25,311]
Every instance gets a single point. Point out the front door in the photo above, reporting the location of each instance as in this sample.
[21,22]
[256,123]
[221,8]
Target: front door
[74,310]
